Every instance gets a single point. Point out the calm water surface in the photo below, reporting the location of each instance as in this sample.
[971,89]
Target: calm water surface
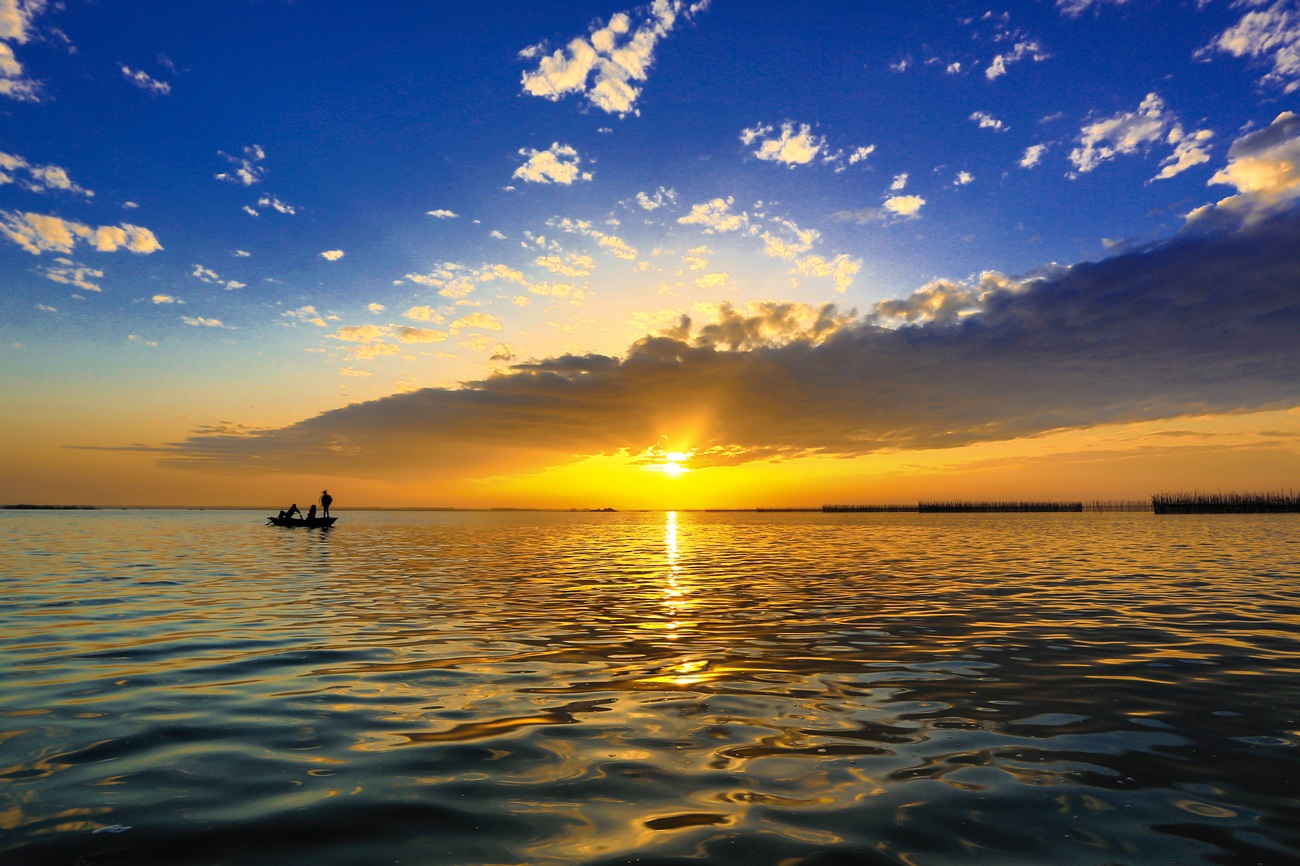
[507,688]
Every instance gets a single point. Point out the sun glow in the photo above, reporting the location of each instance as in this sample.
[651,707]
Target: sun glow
[671,463]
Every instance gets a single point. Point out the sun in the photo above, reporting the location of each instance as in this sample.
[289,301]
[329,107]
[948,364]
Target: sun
[671,463]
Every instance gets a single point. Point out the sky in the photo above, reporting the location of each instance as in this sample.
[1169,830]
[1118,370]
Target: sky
[677,255]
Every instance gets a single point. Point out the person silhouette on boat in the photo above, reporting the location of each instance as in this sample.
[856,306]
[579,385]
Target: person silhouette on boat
[311,512]
[293,509]
[325,500]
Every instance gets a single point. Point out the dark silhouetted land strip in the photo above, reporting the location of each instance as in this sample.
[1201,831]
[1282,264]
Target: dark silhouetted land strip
[834,508]
[1226,503]
[960,506]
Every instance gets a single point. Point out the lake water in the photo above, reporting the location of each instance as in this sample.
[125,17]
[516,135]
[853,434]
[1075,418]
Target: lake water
[522,688]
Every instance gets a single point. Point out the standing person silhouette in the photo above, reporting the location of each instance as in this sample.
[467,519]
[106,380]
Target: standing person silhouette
[325,500]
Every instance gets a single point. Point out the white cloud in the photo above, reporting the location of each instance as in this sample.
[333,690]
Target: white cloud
[791,148]
[332,255]
[496,234]
[840,269]
[1033,155]
[273,202]
[15,23]
[408,334]
[906,206]
[953,68]
[1189,150]
[861,153]
[1074,8]
[443,214]
[1130,132]
[963,178]
[164,299]
[39,233]
[659,199]
[1271,35]
[208,275]
[145,82]
[37,178]
[248,169]
[1029,48]
[376,308]
[484,321]
[719,280]
[695,258]
[900,181]
[1264,167]
[716,216]
[71,273]
[572,265]
[557,164]
[307,315]
[202,322]
[603,65]
[988,121]
[241,254]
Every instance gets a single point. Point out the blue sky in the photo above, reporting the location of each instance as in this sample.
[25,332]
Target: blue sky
[229,218]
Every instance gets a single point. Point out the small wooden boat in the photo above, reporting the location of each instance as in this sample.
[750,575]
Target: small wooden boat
[309,522]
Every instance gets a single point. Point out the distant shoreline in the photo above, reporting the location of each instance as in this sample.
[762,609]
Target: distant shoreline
[1162,503]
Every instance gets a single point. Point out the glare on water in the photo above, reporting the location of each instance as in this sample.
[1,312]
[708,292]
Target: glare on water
[193,687]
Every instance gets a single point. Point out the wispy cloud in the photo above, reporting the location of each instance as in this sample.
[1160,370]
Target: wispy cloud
[16,18]
[248,168]
[332,255]
[1270,35]
[36,178]
[607,65]
[988,121]
[145,82]
[791,147]
[443,214]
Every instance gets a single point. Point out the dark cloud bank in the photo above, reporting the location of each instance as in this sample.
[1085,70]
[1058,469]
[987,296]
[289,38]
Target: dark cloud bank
[1200,324]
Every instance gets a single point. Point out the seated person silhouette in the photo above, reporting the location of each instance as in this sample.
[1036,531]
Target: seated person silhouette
[311,512]
[293,509]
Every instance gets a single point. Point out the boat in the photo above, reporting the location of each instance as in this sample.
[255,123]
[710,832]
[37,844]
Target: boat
[309,522]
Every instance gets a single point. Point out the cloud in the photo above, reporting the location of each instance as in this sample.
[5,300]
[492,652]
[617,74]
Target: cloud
[603,65]
[557,164]
[716,216]
[1264,167]
[408,334]
[1119,341]
[988,121]
[1130,132]
[332,255]
[1033,155]
[571,265]
[202,322]
[791,148]
[274,203]
[39,233]
[248,168]
[841,269]
[16,18]
[1189,150]
[1030,48]
[38,178]
[900,181]
[659,199]
[71,273]
[143,81]
[307,315]
[861,153]
[963,178]
[485,321]
[443,214]
[906,206]
[1075,8]
[208,275]
[421,313]
[1271,35]
[164,299]
[616,245]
